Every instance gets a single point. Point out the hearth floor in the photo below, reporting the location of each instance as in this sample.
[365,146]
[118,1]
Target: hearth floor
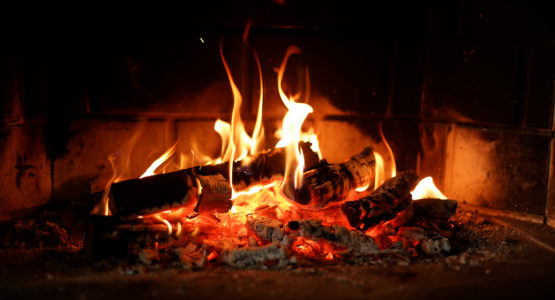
[505,264]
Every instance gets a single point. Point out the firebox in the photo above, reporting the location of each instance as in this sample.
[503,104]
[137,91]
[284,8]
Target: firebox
[359,149]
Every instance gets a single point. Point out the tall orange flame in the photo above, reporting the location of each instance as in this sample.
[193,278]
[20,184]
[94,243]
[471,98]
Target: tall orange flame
[258,132]
[159,161]
[392,165]
[291,128]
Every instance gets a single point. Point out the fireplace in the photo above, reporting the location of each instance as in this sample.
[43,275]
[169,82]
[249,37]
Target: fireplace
[460,92]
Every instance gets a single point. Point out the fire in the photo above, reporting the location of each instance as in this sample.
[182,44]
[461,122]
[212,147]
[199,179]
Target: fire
[266,199]
[159,161]
[392,165]
[291,128]
[427,189]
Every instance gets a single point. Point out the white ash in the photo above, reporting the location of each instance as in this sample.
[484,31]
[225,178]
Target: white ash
[431,245]
[357,242]
[258,256]
[267,230]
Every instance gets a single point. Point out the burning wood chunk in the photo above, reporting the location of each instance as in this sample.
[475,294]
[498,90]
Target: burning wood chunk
[383,203]
[267,230]
[357,242]
[214,194]
[435,208]
[333,182]
[272,254]
[153,193]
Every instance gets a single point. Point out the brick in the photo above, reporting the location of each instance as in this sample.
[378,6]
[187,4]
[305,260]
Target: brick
[498,169]
[408,66]
[11,82]
[345,137]
[341,139]
[505,20]
[468,83]
[166,75]
[135,145]
[25,172]
[550,209]
[351,73]
[433,154]
[540,88]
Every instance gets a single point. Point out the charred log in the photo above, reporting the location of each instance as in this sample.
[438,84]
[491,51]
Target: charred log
[382,204]
[203,188]
[435,208]
[166,191]
[333,182]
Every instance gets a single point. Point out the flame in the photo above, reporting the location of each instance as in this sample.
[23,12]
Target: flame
[258,132]
[427,189]
[392,166]
[159,218]
[291,128]
[105,203]
[312,138]
[239,143]
[379,177]
[179,228]
[159,161]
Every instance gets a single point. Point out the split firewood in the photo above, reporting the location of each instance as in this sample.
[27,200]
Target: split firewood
[382,204]
[356,242]
[203,188]
[435,208]
[333,182]
[166,191]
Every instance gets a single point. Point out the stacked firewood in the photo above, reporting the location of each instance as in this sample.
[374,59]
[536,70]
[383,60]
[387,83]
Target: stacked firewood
[386,221]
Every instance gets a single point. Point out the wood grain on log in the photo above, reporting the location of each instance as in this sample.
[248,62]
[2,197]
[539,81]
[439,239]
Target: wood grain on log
[333,182]
[382,204]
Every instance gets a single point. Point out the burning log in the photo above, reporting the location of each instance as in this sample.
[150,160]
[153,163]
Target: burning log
[203,188]
[435,208]
[333,182]
[382,204]
[171,190]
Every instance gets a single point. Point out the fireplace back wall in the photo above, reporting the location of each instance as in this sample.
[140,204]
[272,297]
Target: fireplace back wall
[464,90]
